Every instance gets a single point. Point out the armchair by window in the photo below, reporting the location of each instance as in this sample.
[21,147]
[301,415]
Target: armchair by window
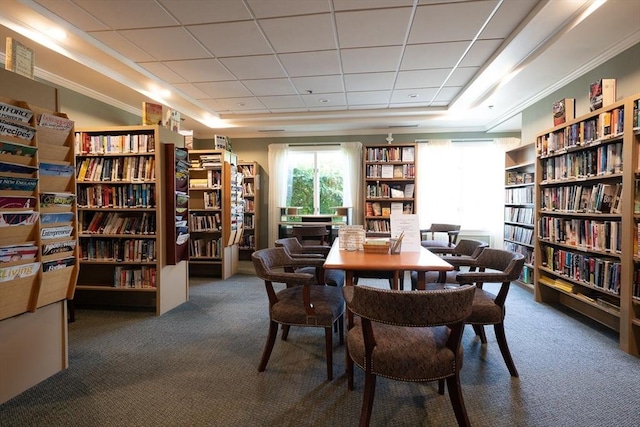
[431,242]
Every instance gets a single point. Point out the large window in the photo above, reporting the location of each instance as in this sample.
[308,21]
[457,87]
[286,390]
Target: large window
[315,179]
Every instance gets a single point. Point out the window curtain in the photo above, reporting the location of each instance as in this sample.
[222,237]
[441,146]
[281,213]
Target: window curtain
[461,182]
[352,155]
[277,187]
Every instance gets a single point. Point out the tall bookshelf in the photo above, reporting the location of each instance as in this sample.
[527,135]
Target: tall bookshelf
[125,186]
[389,173]
[251,194]
[215,213]
[586,255]
[519,206]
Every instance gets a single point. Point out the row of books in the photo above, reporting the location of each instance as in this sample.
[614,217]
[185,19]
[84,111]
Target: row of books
[212,199]
[247,189]
[586,234]
[213,160]
[213,180]
[246,170]
[390,154]
[585,269]
[524,250]
[598,198]
[249,206]
[378,226]
[384,190]
[598,161]
[114,144]
[517,178]
[607,125]
[130,168]
[519,234]
[134,277]
[200,222]
[129,250]
[386,209]
[248,241]
[101,222]
[205,248]
[519,196]
[518,214]
[117,196]
[404,171]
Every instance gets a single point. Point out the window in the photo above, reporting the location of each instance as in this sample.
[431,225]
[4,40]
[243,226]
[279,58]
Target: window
[315,179]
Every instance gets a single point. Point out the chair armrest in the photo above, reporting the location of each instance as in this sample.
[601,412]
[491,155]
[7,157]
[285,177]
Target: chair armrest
[316,249]
[306,262]
[481,277]
[293,278]
[460,261]
[307,256]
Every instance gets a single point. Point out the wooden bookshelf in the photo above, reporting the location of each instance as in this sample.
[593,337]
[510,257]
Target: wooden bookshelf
[124,199]
[585,252]
[251,194]
[215,213]
[519,207]
[389,172]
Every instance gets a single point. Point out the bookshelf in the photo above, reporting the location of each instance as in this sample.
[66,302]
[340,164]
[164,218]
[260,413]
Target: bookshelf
[126,180]
[585,256]
[251,193]
[389,173]
[519,206]
[216,213]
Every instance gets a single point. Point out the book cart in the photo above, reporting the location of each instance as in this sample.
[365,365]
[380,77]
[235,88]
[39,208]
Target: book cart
[586,254]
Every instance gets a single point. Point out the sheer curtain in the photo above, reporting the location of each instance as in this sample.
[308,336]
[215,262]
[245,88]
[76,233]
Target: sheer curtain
[461,183]
[277,186]
[352,156]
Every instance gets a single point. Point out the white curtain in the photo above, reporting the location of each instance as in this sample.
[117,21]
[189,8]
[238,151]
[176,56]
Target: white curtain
[461,183]
[277,186]
[352,155]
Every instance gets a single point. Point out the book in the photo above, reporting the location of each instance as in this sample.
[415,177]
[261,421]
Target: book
[18,252]
[56,232]
[50,218]
[377,209]
[18,271]
[386,171]
[17,218]
[16,130]
[19,58]
[172,121]
[17,202]
[563,110]
[17,168]
[16,149]
[408,191]
[56,199]
[151,113]
[16,183]
[602,92]
[52,121]
[54,169]
[58,264]
[58,247]
[18,114]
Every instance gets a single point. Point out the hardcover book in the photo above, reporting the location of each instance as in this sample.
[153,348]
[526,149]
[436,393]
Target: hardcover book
[19,58]
[563,110]
[151,113]
[602,93]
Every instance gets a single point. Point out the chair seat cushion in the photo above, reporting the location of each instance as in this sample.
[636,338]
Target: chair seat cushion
[327,301]
[484,311]
[436,244]
[331,277]
[408,354]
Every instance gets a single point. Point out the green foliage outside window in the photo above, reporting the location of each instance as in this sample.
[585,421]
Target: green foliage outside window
[301,193]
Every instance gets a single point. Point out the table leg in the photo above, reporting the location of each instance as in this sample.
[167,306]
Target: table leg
[421,280]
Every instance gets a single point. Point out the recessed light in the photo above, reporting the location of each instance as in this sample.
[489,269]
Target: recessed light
[324,100]
[413,95]
[241,104]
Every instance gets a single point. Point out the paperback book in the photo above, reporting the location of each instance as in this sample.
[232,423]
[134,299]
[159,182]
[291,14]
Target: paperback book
[563,110]
[17,218]
[56,199]
[19,58]
[18,114]
[58,247]
[19,184]
[16,149]
[17,168]
[18,271]
[58,264]
[16,130]
[54,169]
[52,218]
[56,232]
[602,92]
[18,252]
[151,113]
[17,202]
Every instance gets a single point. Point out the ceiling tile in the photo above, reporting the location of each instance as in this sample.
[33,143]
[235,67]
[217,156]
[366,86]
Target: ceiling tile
[432,55]
[373,59]
[362,28]
[422,78]
[242,104]
[267,87]
[507,18]
[121,14]
[162,72]
[405,96]
[365,98]
[246,36]
[254,67]
[447,94]
[320,84]
[369,81]
[339,5]
[200,70]
[300,33]
[190,12]
[311,63]
[461,76]
[272,8]
[74,14]
[223,89]
[191,90]
[166,43]
[121,45]
[480,51]
[324,99]
[215,105]
[291,101]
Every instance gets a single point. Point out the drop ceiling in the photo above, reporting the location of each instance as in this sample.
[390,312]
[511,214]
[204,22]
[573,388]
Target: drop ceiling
[319,67]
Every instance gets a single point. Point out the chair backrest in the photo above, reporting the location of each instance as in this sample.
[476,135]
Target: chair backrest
[470,247]
[291,244]
[509,263]
[414,308]
[269,264]
[314,233]
[452,231]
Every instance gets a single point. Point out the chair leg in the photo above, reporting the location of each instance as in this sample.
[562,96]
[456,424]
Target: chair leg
[504,348]
[479,330]
[367,399]
[348,363]
[285,332]
[328,341]
[455,395]
[271,339]
[441,386]
[340,326]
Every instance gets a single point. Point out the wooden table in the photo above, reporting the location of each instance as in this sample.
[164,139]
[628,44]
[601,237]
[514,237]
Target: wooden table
[353,261]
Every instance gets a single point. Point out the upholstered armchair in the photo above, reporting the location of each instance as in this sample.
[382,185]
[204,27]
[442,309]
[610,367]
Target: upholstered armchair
[407,336]
[435,245]
[297,250]
[301,303]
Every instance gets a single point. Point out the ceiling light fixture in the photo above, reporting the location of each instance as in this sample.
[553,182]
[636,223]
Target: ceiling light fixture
[324,100]
[413,95]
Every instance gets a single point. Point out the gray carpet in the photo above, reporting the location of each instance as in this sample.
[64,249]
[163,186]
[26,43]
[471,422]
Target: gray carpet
[197,366]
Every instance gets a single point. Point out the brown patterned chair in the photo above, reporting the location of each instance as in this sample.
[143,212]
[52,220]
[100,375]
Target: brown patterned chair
[297,250]
[496,266]
[464,255]
[301,303]
[407,336]
[430,242]
[311,234]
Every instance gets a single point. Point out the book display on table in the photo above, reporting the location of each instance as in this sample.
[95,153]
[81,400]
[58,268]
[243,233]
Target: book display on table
[389,184]
[519,206]
[585,256]
[214,215]
[126,201]
[251,196]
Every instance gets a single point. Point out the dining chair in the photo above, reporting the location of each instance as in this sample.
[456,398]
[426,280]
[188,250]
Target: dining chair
[301,303]
[435,245]
[495,266]
[407,336]
[297,250]
[311,234]
[463,255]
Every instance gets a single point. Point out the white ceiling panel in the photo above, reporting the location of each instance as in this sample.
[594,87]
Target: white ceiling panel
[191,90]
[276,8]
[422,78]
[433,55]
[324,99]
[369,81]
[121,14]
[372,60]
[247,38]
[124,47]
[300,33]
[254,67]
[339,5]
[166,44]
[74,14]
[311,63]
[320,84]
[242,104]
[163,72]
[200,70]
[362,28]
[190,12]
[368,98]
[266,87]
[223,89]
[276,102]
